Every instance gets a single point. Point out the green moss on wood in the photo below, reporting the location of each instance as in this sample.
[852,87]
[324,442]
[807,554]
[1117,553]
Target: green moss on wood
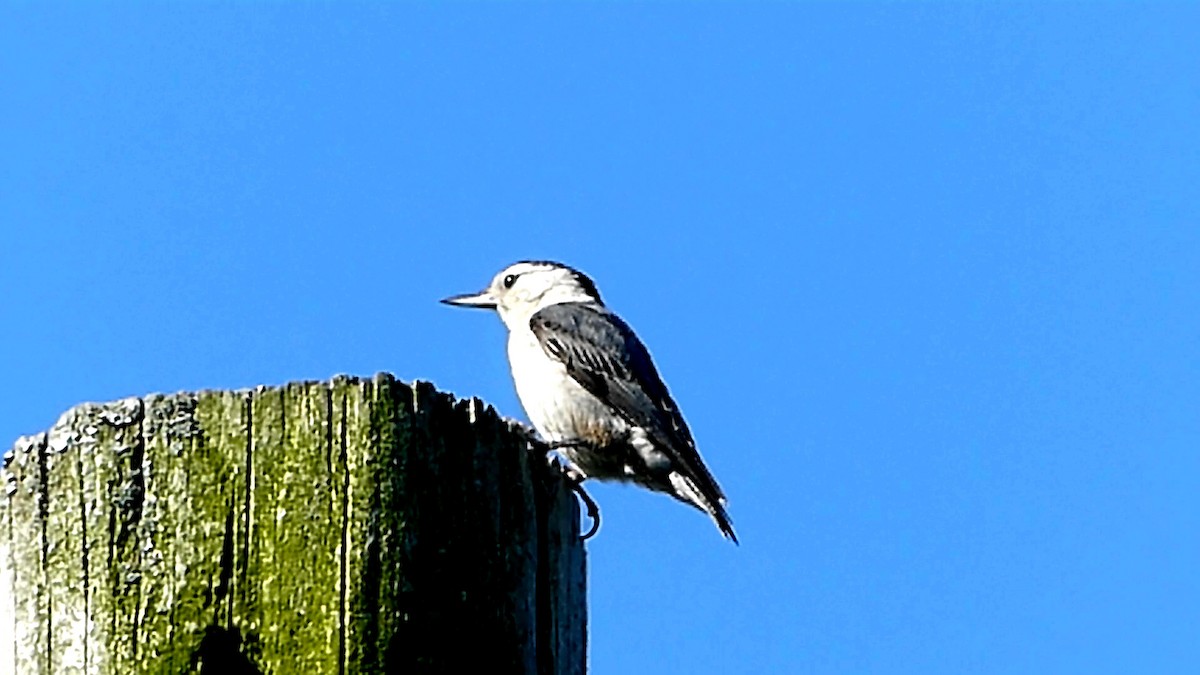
[352,526]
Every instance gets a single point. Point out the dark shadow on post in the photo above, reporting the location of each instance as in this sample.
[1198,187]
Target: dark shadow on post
[220,653]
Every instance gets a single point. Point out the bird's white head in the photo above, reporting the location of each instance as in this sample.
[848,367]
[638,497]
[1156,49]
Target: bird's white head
[523,288]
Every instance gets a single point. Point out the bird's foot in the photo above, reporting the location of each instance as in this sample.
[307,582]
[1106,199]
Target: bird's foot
[574,475]
[575,479]
[537,443]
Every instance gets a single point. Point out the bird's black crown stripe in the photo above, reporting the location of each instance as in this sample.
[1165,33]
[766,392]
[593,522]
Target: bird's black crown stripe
[582,279]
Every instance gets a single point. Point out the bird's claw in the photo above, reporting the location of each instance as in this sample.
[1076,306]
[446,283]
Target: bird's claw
[574,477]
[531,436]
[593,509]
[537,443]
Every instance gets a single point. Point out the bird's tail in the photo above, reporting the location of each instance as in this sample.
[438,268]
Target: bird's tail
[686,491]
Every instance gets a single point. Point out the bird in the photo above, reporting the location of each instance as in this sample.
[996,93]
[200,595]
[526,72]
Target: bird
[590,388]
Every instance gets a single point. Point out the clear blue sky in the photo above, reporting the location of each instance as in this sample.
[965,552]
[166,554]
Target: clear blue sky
[924,279]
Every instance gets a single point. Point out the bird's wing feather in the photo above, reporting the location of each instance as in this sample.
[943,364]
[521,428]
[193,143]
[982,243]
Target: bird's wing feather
[603,355]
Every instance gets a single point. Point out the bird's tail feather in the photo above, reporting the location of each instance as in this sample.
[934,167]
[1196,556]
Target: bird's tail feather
[686,491]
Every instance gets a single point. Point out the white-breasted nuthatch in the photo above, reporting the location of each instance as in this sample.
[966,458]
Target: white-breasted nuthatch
[590,389]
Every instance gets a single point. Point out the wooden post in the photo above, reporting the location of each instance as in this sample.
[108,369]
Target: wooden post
[349,526]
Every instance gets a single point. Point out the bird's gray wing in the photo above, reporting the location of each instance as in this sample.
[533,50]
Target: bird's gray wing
[603,355]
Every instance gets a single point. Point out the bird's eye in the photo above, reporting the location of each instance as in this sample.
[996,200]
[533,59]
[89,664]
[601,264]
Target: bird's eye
[510,280]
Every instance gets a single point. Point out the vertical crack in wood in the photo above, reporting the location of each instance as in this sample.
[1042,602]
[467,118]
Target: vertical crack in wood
[87,582]
[247,534]
[225,568]
[43,511]
[369,592]
[111,553]
[138,498]
[344,556]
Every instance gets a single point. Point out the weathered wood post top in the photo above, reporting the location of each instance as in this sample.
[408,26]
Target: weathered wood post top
[348,526]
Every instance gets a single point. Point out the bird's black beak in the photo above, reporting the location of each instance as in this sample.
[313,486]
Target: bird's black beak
[482,300]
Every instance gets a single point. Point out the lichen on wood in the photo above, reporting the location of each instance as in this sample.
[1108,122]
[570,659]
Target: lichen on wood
[349,526]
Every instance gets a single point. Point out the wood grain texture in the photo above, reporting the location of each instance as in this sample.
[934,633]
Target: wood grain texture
[349,526]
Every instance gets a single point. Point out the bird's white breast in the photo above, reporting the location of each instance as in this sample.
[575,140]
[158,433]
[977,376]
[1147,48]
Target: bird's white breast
[558,406]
